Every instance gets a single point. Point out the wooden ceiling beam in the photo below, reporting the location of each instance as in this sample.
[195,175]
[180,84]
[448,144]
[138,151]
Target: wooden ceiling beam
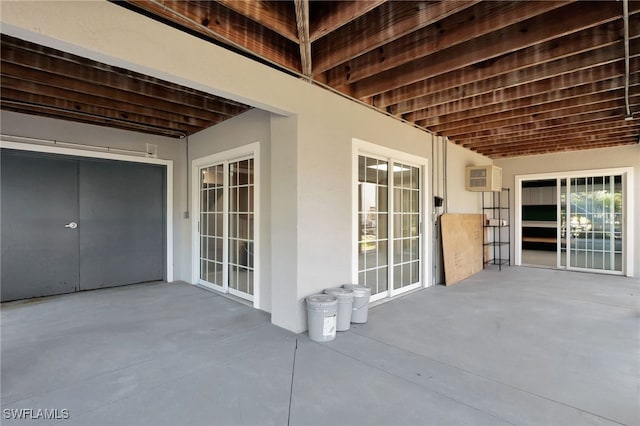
[13,88]
[577,142]
[557,23]
[609,75]
[302,20]
[79,118]
[552,149]
[530,110]
[213,20]
[389,21]
[130,96]
[597,114]
[16,62]
[568,140]
[511,71]
[606,105]
[337,14]
[475,21]
[433,118]
[587,129]
[21,52]
[91,112]
[527,131]
[278,16]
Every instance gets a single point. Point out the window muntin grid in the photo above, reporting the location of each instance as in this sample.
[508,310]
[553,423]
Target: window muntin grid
[241,225]
[212,224]
[406,225]
[594,223]
[378,245]
[227,217]
[373,224]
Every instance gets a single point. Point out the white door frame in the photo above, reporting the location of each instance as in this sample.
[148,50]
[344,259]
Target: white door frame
[246,151]
[84,153]
[628,201]
[360,147]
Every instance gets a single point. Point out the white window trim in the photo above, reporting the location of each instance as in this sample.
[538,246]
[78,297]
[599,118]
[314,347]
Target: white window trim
[629,202]
[360,147]
[249,150]
[120,157]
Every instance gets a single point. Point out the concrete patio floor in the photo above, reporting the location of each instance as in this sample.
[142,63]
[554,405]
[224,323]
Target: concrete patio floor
[524,346]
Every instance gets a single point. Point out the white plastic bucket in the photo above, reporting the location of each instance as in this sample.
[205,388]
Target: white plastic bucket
[361,295]
[322,312]
[345,306]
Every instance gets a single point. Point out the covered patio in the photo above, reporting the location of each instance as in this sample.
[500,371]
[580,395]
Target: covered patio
[523,346]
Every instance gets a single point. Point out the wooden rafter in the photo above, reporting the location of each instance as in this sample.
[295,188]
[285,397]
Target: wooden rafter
[603,138]
[57,84]
[539,29]
[550,59]
[478,20]
[472,84]
[577,118]
[370,31]
[337,15]
[544,117]
[302,19]
[213,20]
[558,133]
[551,88]
[581,95]
[278,16]
[502,78]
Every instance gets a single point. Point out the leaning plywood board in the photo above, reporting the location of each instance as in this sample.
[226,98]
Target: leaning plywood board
[461,246]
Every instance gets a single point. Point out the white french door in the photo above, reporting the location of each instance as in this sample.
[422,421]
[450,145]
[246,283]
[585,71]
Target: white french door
[227,226]
[389,224]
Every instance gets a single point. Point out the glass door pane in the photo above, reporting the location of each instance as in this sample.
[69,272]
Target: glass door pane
[563,223]
[241,227]
[212,224]
[373,222]
[406,225]
[595,223]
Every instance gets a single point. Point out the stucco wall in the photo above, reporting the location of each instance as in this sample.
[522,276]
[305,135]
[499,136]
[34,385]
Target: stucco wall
[250,127]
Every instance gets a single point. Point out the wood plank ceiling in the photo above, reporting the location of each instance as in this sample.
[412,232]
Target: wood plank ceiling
[39,80]
[503,78]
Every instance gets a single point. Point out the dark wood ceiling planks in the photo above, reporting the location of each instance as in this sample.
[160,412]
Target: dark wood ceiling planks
[503,78]
[44,81]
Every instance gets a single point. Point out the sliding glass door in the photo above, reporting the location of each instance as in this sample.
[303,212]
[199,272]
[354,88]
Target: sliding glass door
[227,227]
[406,226]
[592,223]
[389,226]
[593,216]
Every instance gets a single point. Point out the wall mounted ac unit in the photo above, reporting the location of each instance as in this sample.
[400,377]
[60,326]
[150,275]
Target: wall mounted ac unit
[483,178]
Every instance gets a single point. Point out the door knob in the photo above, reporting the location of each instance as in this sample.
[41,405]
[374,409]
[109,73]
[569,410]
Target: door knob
[71,225]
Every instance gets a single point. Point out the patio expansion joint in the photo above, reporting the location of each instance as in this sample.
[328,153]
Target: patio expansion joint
[293,371]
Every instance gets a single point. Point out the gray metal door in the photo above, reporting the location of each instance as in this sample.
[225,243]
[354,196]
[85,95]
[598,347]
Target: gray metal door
[122,223]
[72,224]
[39,196]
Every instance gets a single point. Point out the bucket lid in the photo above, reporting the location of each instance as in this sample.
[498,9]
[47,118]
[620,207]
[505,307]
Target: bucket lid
[322,300]
[340,293]
[358,290]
